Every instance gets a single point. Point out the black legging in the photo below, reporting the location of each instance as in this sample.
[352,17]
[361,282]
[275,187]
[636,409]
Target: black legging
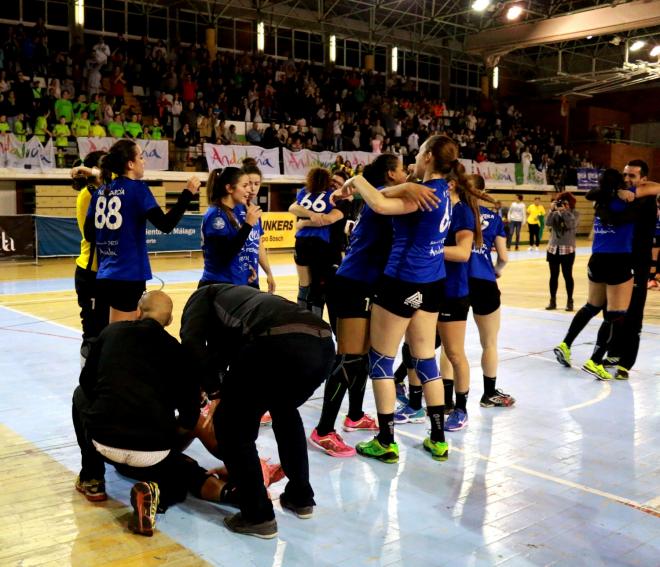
[534,231]
[565,262]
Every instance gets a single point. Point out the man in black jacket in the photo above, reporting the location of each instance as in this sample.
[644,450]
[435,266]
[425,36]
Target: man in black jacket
[261,353]
[124,413]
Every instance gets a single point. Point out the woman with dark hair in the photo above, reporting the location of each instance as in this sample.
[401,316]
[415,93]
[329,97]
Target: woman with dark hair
[562,220]
[610,276]
[230,228]
[410,294]
[116,222]
[313,254]
[485,302]
[516,217]
[258,257]
[351,294]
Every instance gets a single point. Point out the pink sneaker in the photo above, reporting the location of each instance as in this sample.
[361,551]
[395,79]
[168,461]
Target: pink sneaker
[332,444]
[266,419]
[365,423]
[276,473]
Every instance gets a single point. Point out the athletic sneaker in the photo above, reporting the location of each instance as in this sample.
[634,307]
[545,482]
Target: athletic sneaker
[499,399]
[303,512]
[456,420]
[94,490]
[374,450]
[331,444]
[409,415]
[597,370]
[266,419]
[264,530]
[401,393]
[439,449]
[365,423]
[275,473]
[621,373]
[610,361]
[563,354]
[144,499]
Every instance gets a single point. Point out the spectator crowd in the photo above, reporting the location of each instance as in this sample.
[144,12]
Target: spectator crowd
[180,93]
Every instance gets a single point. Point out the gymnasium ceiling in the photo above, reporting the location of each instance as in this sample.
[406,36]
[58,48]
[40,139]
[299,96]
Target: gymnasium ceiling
[561,62]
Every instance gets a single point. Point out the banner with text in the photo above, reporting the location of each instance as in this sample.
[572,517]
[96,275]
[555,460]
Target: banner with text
[225,156]
[296,164]
[26,155]
[587,178]
[279,230]
[16,237]
[155,152]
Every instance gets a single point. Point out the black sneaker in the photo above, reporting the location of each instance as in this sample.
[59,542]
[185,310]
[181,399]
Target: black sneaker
[94,490]
[552,305]
[264,530]
[303,512]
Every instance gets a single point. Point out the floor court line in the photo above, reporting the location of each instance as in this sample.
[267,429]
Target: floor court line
[582,487]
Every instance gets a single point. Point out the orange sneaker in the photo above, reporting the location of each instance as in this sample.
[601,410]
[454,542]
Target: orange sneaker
[365,423]
[266,419]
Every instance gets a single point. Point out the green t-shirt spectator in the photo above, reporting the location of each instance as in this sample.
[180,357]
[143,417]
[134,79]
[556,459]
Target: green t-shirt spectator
[64,107]
[92,107]
[19,131]
[134,129]
[78,108]
[4,128]
[156,133]
[116,129]
[97,131]
[81,128]
[40,127]
[61,133]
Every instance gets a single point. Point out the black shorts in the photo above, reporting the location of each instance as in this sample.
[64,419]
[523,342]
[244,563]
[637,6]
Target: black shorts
[121,295]
[350,299]
[454,309]
[656,241]
[312,251]
[404,298]
[484,296]
[610,269]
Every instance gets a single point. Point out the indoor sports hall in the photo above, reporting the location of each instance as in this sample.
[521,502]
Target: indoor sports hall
[568,476]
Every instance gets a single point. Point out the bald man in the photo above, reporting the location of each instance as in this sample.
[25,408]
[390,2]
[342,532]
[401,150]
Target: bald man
[124,414]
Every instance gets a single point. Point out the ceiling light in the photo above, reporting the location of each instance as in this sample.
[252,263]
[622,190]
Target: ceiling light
[590,37]
[616,40]
[655,51]
[480,5]
[514,13]
[637,45]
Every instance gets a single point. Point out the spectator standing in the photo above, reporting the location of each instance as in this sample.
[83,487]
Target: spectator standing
[516,218]
[182,141]
[562,220]
[534,212]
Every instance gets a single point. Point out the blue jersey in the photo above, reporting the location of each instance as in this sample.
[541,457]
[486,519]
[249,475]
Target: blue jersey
[251,246]
[317,203]
[216,223]
[462,218]
[418,241]
[120,211]
[480,266]
[613,239]
[368,247]
[657,221]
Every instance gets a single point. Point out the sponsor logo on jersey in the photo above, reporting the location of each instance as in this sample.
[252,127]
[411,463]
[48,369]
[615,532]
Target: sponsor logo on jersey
[219,223]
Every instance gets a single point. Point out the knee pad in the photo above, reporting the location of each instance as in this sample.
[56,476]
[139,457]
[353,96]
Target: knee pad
[591,309]
[615,317]
[406,357]
[381,367]
[427,369]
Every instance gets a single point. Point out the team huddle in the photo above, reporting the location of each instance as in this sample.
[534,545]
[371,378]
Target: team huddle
[417,258]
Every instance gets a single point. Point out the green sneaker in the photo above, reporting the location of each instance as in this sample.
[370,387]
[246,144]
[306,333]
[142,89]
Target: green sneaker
[563,354]
[439,449]
[375,450]
[597,370]
[621,373]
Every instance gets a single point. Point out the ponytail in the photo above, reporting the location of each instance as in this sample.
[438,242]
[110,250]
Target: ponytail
[216,187]
[115,162]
